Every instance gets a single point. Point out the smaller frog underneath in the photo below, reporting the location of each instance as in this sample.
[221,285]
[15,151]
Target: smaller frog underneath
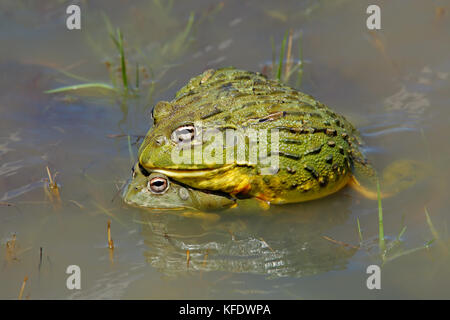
[156,191]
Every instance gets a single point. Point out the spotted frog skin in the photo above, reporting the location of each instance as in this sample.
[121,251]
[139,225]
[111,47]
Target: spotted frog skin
[319,150]
[156,191]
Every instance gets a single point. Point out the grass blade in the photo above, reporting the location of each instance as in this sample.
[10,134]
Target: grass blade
[406,252]
[380,220]
[122,59]
[180,40]
[280,63]
[137,75]
[274,55]
[401,233]
[287,70]
[431,226]
[359,231]
[81,87]
[300,57]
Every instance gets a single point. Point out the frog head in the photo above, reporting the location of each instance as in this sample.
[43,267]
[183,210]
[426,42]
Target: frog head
[176,139]
[201,138]
[156,191]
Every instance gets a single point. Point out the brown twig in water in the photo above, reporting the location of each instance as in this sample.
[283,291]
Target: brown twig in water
[53,188]
[117,135]
[205,258]
[188,258]
[266,244]
[110,240]
[11,249]
[440,12]
[79,205]
[122,135]
[11,244]
[9,204]
[110,244]
[40,258]
[52,183]
[340,243]
[23,287]
[288,57]
[379,44]
[111,256]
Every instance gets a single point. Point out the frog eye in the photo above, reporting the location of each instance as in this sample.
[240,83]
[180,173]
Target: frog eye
[183,134]
[158,185]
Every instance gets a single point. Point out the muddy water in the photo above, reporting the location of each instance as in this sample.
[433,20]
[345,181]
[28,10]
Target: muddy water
[394,85]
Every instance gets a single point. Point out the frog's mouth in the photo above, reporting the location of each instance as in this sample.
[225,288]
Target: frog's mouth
[193,173]
[157,208]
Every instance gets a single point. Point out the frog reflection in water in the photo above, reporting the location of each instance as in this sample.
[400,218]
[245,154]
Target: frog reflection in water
[156,191]
[284,241]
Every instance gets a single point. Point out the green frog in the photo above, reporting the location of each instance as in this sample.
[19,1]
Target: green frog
[156,191]
[318,151]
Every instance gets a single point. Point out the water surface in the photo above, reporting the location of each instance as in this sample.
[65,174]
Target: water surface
[393,84]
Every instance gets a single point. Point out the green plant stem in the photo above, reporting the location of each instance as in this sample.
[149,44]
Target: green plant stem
[280,63]
[380,221]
